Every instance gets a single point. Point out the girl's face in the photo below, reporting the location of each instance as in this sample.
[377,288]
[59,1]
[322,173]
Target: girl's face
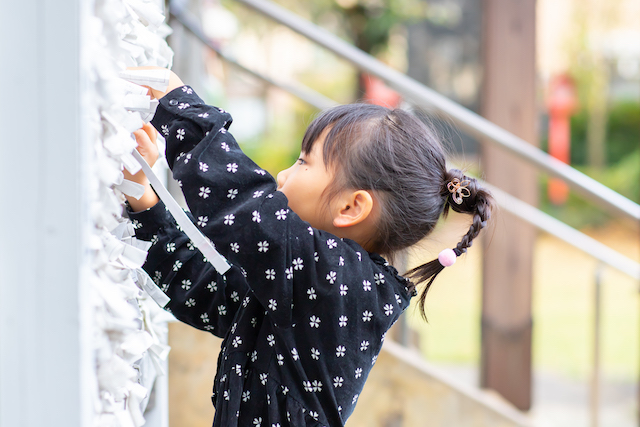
[304,184]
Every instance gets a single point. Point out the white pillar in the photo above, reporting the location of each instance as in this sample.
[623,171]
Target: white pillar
[45,364]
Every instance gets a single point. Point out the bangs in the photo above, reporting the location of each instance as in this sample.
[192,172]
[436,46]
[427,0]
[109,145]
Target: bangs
[349,126]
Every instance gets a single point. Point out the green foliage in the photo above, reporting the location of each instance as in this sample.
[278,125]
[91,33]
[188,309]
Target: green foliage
[367,23]
[270,154]
[279,146]
[623,133]
[623,177]
[335,79]
[622,173]
[370,22]
[576,211]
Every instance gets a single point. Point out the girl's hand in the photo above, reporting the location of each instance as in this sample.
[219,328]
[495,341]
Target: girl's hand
[174,82]
[146,138]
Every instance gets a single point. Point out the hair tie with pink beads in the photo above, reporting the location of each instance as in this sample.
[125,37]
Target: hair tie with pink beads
[448,257]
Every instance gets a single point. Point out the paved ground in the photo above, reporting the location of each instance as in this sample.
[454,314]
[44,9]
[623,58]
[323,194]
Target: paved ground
[560,401]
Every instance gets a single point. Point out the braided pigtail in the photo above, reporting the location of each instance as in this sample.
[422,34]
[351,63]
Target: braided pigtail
[463,195]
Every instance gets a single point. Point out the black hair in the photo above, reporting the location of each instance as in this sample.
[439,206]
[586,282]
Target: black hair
[400,159]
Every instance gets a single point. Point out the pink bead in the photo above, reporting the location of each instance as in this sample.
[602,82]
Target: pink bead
[447,257]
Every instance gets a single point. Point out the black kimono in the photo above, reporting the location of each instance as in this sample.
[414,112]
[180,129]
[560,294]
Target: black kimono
[302,312]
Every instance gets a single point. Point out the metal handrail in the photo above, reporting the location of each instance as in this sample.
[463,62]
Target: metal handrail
[564,232]
[524,211]
[463,117]
[190,23]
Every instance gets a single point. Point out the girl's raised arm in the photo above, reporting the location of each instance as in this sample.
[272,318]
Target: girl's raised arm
[199,296]
[237,205]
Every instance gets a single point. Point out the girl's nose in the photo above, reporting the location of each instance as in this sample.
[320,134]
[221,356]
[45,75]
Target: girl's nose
[281,178]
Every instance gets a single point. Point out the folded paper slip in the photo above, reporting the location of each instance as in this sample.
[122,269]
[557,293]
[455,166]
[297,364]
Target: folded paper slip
[156,79]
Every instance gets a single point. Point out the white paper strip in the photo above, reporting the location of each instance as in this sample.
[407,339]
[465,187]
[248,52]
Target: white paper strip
[137,102]
[147,116]
[117,36]
[198,239]
[140,244]
[150,287]
[130,163]
[133,88]
[137,393]
[134,50]
[132,122]
[148,11]
[132,257]
[131,188]
[156,79]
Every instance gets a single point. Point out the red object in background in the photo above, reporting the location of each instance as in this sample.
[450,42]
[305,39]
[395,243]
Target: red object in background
[561,103]
[376,92]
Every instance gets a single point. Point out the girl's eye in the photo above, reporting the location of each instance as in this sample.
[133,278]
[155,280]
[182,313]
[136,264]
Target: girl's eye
[301,161]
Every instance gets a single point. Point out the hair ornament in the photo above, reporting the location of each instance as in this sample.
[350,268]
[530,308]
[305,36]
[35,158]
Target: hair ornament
[447,257]
[458,190]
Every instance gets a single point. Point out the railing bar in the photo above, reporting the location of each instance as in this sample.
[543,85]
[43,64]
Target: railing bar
[597,339]
[311,97]
[472,122]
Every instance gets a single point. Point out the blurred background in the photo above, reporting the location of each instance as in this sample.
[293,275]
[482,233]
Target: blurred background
[552,330]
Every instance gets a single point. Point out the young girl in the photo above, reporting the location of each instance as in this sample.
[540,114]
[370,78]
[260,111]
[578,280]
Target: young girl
[307,303]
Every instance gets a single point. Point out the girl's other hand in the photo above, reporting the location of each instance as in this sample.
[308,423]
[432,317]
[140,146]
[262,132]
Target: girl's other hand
[146,138]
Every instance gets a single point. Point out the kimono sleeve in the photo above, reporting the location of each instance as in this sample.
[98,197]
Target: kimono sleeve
[199,296]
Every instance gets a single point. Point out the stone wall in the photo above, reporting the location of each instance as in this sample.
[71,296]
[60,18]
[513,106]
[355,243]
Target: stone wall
[402,390]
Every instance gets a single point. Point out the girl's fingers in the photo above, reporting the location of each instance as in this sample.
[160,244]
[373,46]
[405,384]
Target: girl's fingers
[151,132]
[142,138]
[146,138]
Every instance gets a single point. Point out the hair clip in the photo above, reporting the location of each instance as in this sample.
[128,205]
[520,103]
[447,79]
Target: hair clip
[458,189]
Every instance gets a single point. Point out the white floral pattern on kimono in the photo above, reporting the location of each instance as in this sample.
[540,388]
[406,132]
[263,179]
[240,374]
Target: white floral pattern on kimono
[302,312]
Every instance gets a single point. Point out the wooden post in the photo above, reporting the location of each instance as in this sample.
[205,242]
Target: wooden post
[509,100]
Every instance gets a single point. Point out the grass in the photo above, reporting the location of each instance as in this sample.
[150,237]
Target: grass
[564,310]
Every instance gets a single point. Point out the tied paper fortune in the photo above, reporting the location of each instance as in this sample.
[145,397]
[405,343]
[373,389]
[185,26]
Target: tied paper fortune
[155,79]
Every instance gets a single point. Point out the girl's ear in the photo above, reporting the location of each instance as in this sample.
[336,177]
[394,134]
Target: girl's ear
[353,208]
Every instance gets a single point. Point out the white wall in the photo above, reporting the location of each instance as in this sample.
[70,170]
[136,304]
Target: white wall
[42,351]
